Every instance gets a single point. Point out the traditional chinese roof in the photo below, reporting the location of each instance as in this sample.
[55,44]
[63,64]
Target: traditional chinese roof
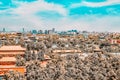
[67,51]
[5,69]
[11,53]
[12,48]
[46,57]
[8,59]
[97,48]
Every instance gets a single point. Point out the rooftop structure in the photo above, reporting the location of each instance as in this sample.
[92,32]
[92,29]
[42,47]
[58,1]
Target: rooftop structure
[5,69]
[8,60]
[12,50]
[97,49]
[44,62]
[66,51]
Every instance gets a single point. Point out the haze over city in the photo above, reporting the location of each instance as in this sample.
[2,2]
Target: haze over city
[90,15]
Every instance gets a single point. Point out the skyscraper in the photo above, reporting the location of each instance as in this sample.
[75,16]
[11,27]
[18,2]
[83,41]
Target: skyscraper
[4,30]
[23,30]
[53,30]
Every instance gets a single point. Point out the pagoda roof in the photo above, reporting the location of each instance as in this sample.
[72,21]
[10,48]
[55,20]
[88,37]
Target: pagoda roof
[12,48]
[8,59]
[12,53]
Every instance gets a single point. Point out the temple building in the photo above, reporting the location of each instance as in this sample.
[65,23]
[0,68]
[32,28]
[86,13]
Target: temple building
[8,60]
[12,51]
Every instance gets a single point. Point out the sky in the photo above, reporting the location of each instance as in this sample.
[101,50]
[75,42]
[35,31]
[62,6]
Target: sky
[89,15]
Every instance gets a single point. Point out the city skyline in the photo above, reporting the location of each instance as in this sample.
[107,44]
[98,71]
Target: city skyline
[89,15]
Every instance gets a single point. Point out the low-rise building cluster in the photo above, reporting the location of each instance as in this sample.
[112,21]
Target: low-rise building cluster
[25,49]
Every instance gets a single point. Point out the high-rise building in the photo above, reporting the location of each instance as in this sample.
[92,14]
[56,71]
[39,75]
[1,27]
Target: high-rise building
[46,32]
[23,30]
[34,31]
[50,32]
[40,32]
[4,30]
[53,30]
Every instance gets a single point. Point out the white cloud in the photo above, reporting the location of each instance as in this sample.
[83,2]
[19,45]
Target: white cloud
[27,12]
[24,16]
[89,23]
[37,6]
[17,23]
[98,4]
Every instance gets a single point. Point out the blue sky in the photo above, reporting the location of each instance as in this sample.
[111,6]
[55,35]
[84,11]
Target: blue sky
[90,15]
